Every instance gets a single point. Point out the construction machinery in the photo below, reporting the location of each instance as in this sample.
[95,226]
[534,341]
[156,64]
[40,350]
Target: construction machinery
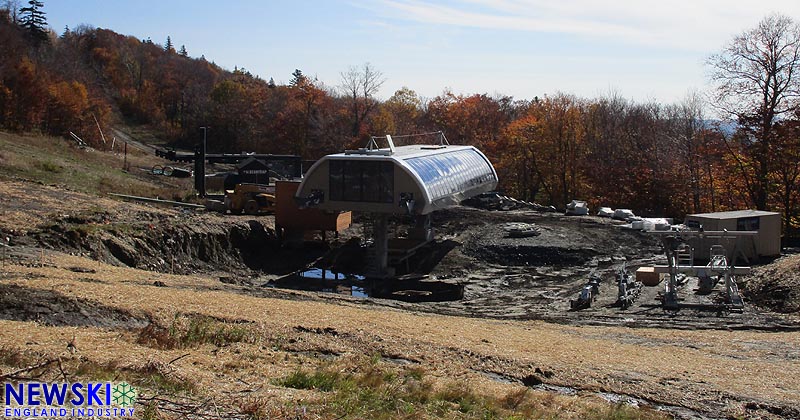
[720,268]
[587,295]
[251,199]
[628,289]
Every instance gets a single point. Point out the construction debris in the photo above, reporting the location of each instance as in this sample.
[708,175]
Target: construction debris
[648,224]
[577,208]
[496,201]
[648,276]
[171,171]
[628,288]
[82,144]
[623,214]
[605,212]
[587,295]
[521,230]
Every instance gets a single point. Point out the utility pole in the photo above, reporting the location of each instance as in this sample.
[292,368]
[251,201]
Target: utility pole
[200,165]
[5,247]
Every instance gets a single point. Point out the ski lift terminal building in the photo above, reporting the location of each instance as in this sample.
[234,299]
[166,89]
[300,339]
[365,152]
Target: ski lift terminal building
[415,179]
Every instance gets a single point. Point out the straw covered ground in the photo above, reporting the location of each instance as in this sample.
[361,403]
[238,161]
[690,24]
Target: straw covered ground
[195,345]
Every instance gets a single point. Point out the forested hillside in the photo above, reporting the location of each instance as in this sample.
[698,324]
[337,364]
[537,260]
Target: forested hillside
[658,159]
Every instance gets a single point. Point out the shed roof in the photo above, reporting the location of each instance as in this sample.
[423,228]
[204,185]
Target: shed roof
[736,214]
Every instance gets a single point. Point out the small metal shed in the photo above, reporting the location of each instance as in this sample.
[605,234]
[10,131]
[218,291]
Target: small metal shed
[766,243]
[415,179]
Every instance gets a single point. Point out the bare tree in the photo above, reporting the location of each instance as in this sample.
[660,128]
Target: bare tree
[13,7]
[687,134]
[756,78]
[360,86]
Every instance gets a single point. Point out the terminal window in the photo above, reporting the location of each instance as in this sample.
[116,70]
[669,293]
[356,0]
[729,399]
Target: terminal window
[361,180]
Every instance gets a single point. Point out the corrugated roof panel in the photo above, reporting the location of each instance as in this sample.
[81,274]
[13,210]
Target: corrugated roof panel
[452,172]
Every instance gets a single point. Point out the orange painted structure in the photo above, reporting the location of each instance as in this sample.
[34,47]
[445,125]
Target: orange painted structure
[291,220]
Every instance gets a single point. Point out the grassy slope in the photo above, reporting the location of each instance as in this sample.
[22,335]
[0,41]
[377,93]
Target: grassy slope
[51,160]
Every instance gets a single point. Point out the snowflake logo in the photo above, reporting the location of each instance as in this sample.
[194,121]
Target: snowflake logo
[123,394]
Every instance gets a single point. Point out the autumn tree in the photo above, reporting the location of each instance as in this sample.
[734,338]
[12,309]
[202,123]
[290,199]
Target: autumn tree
[359,85]
[514,158]
[301,111]
[475,119]
[231,107]
[29,96]
[548,144]
[631,159]
[403,111]
[66,106]
[756,81]
[787,174]
[11,8]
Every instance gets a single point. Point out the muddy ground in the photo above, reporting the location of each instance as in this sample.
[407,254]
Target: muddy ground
[512,280]
[504,277]
[536,277]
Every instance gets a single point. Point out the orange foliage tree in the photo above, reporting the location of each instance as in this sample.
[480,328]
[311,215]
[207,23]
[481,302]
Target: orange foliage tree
[546,150]
[67,105]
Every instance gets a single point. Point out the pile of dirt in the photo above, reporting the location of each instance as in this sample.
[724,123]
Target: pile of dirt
[157,242]
[562,241]
[776,286]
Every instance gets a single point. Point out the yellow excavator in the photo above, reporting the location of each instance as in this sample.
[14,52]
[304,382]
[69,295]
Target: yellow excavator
[250,199]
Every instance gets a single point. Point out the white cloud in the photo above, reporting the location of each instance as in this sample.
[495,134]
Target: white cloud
[685,24]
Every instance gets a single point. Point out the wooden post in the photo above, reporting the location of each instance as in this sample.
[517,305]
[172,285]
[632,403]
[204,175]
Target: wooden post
[99,129]
[125,161]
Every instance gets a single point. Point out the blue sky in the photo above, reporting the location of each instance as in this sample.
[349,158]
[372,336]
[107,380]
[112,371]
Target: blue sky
[643,50]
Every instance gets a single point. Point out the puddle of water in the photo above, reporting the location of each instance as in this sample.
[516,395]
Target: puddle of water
[409,290]
[320,273]
[324,280]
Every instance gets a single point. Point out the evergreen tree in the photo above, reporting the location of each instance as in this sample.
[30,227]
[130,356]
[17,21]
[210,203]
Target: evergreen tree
[271,84]
[297,78]
[183,51]
[33,20]
[168,47]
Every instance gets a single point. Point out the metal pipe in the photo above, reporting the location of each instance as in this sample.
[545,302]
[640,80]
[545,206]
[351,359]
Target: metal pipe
[158,201]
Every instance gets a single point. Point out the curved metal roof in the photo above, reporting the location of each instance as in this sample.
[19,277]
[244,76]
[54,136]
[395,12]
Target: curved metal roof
[443,176]
[451,173]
